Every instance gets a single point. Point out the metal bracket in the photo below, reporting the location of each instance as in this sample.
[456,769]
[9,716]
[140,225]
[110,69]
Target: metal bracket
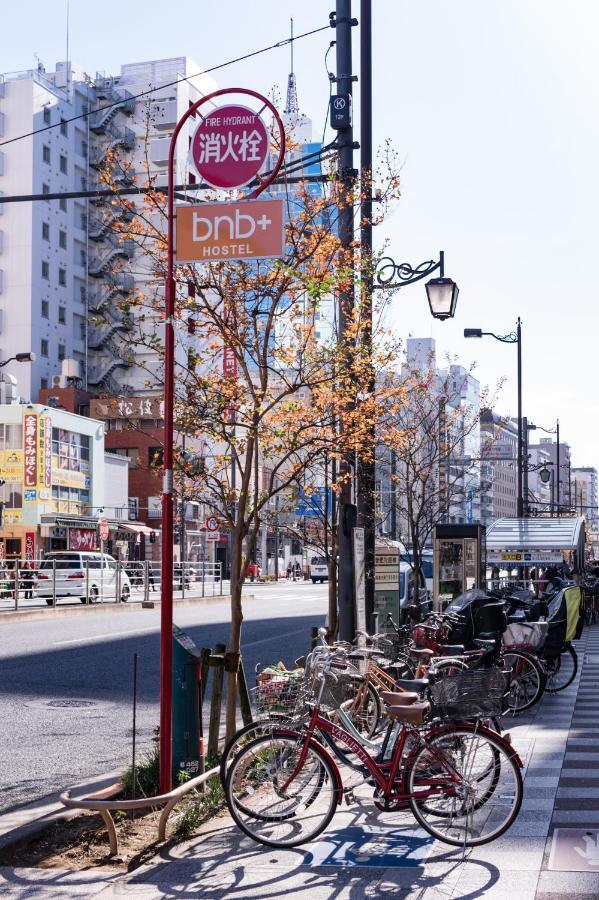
[334,21]
[340,77]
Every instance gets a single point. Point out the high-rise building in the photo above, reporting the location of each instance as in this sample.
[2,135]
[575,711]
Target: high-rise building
[499,438]
[62,264]
[585,494]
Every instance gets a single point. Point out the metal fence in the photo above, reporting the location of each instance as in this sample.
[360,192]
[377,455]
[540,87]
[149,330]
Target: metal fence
[92,579]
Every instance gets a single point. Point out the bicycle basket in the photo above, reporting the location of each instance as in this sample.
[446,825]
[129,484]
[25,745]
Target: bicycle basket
[470,694]
[340,689]
[278,693]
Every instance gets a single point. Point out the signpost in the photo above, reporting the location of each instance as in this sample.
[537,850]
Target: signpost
[212,523]
[103,530]
[229,149]
[230,231]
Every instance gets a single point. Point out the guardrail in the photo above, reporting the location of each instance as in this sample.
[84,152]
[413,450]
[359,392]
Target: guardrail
[26,583]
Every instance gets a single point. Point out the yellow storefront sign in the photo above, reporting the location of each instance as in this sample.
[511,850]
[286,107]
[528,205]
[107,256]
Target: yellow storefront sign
[11,465]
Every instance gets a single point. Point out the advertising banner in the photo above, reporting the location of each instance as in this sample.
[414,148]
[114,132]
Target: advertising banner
[30,449]
[11,465]
[29,545]
[82,539]
[245,229]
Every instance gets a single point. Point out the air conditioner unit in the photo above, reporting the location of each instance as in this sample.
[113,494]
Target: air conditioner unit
[56,381]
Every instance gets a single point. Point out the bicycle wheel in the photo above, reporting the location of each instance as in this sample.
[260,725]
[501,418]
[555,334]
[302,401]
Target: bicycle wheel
[260,728]
[465,787]
[527,680]
[269,810]
[366,715]
[562,669]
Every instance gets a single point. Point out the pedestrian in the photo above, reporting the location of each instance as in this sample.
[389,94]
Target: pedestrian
[151,577]
[495,578]
[26,579]
[289,570]
[298,571]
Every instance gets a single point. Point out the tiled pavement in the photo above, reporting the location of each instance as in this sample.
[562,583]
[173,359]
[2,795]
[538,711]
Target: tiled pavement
[560,745]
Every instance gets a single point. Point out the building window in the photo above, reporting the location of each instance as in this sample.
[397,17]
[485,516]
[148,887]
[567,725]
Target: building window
[43,384]
[62,315]
[44,347]
[45,231]
[62,277]
[84,148]
[45,309]
[82,293]
[82,330]
[62,352]
[46,153]
[45,188]
[82,257]
[63,127]
[62,204]
[63,164]
[46,115]
[45,269]
[62,239]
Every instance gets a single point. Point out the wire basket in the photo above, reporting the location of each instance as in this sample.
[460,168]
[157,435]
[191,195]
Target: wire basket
[477,694]
[393,646]
[340,688]
[279,694]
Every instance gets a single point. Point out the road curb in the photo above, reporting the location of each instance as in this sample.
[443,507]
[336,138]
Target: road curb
[82,610]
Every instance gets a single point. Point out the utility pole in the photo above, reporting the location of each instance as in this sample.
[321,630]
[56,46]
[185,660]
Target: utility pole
[525,468]
[366,479]
[343,23]
[521,459]
[559,471]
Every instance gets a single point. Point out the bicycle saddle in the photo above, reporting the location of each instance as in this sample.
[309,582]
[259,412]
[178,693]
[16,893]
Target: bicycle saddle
[409,715]
[413,684]
[424,655]
[395,698]
[451,650]
[484,644]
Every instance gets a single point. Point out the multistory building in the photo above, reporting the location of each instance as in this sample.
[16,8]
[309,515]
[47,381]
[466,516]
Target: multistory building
[585,494]
[560,480]
[499,439]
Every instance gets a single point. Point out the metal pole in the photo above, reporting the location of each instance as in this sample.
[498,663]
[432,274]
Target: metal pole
[520,502]
[134,728]
[525,470]
[345,139]
[557,466]
[367,465]
[393,494]
[182,553]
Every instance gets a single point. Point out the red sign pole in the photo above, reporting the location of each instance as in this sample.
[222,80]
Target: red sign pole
[166,605]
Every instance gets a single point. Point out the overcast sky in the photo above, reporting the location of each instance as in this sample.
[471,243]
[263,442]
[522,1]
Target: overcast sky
[492,107]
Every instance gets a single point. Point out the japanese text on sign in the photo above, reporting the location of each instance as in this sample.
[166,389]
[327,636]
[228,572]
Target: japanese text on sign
[230,146]
[30,449]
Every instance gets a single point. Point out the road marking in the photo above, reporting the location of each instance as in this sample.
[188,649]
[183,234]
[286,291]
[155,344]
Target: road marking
[275,637]
[97,637]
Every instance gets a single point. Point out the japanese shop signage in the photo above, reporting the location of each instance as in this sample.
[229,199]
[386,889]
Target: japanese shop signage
[29,544]
[230,146]
[229,363]
[30,449]
[246,229]
[82,539]
[44,458]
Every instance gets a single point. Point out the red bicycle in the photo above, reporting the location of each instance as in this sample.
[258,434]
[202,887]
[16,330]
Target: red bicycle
[461,780]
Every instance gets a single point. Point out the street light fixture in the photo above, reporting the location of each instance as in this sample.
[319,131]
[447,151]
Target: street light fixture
[514,337]
[442,292]
[19,357]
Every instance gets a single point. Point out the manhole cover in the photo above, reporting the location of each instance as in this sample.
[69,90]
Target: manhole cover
[78,704]
[66,703]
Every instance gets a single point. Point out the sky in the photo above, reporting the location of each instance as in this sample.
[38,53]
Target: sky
[492,109]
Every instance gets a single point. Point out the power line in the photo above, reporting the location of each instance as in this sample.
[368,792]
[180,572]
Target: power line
[287,170]
[168,84]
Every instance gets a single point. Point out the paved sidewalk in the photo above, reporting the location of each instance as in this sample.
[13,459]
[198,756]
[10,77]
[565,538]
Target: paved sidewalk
[560,746]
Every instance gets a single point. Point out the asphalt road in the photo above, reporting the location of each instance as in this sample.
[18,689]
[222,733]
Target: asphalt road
[46,746]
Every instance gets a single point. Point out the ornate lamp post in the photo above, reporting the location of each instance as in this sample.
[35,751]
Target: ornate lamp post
[442,292]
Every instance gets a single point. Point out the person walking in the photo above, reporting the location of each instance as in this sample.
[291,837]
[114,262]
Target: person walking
[27,580]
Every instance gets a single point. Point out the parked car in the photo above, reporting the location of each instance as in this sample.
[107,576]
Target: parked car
[81,574]
[318,569]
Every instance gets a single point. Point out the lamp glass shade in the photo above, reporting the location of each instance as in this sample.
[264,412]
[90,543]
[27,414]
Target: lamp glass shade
[442,296]
[544,475]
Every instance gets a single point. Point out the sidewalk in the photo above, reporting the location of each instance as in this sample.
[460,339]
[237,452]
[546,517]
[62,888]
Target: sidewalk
[366,854]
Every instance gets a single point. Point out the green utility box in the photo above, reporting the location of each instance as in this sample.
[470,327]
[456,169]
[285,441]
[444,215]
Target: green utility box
[188,748]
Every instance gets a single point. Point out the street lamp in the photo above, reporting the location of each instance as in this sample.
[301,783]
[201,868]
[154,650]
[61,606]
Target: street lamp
[514,337]
[442,292]
[19,357]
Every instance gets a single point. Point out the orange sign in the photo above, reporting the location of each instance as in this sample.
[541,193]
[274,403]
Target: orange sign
[247,229]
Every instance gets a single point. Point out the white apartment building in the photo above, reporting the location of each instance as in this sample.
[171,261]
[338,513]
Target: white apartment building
[62,268]
[584,486]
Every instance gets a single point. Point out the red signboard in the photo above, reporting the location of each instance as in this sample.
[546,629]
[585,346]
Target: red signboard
[103,529]
[230,146]
[82,539]
[229,363]
[29,545]
[30,450]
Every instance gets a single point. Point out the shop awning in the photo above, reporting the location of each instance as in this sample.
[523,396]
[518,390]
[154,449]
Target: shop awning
[135,528]
[528,541]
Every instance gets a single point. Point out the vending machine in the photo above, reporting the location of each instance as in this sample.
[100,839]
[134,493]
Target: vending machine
[459,561]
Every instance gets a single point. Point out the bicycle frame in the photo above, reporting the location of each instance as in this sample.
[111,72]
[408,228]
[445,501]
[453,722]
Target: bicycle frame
[384,774]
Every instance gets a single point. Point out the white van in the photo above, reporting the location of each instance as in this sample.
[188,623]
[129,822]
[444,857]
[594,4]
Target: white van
[318,569]
[80,574]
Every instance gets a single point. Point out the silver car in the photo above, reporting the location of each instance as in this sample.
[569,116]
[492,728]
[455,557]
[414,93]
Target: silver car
[89,576]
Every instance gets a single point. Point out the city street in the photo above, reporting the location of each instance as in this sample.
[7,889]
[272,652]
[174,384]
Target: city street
[89,658]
